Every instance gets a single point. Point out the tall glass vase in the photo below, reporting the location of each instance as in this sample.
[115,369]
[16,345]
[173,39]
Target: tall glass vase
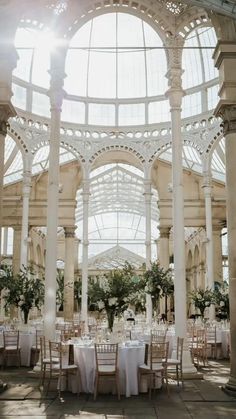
[110,319]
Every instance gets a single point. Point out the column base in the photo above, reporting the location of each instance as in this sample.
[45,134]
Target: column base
[230,387]
[3,386]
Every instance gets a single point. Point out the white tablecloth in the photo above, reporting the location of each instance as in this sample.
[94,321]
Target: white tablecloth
[129,359]
[26,340]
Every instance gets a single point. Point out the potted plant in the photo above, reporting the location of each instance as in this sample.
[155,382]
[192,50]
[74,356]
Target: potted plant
[24,291]
[221,297]
[158,283]
[112,292]
[202,299]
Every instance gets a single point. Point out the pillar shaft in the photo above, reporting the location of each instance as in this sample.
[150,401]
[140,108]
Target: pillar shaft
[164,259]
[84,305]
[225,61]
[2,148]
[148,198]
[16,250]
[69,274]
[56,94]
[26,188]
[217,253]
[175,94]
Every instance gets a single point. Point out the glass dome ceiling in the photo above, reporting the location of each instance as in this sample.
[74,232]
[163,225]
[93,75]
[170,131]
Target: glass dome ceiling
[115,67]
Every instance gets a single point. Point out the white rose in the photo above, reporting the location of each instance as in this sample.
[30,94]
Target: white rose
[100,304]
[222,303]
[112,301]
[207,303]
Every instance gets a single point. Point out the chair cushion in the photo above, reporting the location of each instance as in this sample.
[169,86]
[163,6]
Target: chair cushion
[12,348]
[107,369]
[155,367]
[173,361]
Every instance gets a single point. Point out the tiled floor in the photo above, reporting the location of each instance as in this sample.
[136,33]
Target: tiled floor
[200,399]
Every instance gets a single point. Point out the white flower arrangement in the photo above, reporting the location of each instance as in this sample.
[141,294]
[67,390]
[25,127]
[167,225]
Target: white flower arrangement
[100,304]
[112,301]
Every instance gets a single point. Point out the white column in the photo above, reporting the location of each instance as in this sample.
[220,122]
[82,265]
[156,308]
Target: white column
[56,94]
[175,94]
[16,250]
[76,254]
[2,148]
[8,59]
[207,188]
[148,198]
[85,244]
[26,188]
[164,259]
[69,273]
[217,253]
[5,240]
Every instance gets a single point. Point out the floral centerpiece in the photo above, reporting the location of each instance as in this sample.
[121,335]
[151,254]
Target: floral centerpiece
[221,296]
[24,291]
[202,299]
[112,293]
[158,283]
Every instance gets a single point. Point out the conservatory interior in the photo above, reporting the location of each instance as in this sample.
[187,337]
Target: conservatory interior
[117,184]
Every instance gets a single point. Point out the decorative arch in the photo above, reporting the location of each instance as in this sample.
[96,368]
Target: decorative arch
[118,147]
[193,19]
[161,20]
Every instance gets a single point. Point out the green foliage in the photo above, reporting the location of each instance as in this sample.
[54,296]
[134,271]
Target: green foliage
[114,292]
[25,291]
[221,297]
[158,283]
[60,288]
[202,299]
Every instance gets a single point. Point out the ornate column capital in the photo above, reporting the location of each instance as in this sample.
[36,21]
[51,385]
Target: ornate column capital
[69,231]
[227,111]
[164,232]
[174,74]
[7,110]
[57,73]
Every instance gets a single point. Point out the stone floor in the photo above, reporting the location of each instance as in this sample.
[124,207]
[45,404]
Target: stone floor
[199,399]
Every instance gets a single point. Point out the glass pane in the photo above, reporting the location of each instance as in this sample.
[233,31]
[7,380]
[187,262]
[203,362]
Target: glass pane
[191,105]
[19,96]
[102,74]
[158,112]
[132,114]
[23,64]
[73,111]
[131,74]
[41,65]
[192,66]
[41,104]
[212,96]
[101,114]
[76,70]
[207,38]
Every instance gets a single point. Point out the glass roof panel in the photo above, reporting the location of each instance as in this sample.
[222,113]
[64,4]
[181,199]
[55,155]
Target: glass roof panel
[40,162]
[117,208]
[13,163]
[35,45]
[197,61]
